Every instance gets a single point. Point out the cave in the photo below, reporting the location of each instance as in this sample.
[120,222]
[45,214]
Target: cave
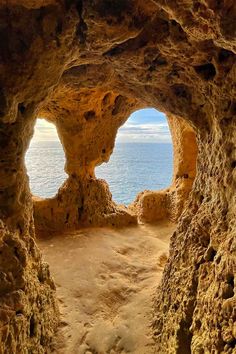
[85,66]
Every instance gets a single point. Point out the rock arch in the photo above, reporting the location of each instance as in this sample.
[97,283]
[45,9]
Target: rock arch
[169,203]
[67,60]
[87,130]
[144,140]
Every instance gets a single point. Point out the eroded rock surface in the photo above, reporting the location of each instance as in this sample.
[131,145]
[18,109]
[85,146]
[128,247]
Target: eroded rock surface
[152,206]
[61,59]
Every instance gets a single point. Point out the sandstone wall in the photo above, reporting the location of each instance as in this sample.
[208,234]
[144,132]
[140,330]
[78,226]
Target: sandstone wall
[28,309]
[169,203]
[177,56]
[87,123]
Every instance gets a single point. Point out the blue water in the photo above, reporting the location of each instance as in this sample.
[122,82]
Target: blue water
[133,167]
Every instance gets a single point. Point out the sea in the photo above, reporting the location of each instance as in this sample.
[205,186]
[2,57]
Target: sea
[132,168]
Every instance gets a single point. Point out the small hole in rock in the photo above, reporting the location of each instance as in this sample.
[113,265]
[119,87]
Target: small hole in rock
[198,324]
[233,164]
[228,291]
[224,55]
[230,279]
[210,254]
[89,115]
[181,91]
[206,71]
[32,326]
[21,108]
[67,217]
[201,198]
[232,343]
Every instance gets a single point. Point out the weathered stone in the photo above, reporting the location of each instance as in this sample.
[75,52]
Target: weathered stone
[85,66]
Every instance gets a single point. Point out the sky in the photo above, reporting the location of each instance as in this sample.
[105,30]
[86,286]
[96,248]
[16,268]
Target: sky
[143,126]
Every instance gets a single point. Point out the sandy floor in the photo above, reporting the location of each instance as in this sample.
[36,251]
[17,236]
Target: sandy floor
[106,280]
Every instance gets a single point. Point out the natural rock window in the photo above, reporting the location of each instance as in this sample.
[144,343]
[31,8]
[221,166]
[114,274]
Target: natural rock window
[142,157]
[85,66]
[45,160]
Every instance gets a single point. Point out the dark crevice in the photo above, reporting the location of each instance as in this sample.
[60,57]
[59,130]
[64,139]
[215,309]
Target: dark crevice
[230,279]
[210,254]
[233,164]
[67,218]
[106,98]
[232,344]
[90,115]
[224,55]
[228,293]
[32,326]
[181,91]
[3,103]
[19,313]
[114,51]
[184,338]
[206,71]
[81,30]
[68,4]
[233,107]
[184,335]
[142,39]
[117,105]
[131,44]
[81,209]
[79,7]
[113,8]
[159,61]
[59,27]
[21,108]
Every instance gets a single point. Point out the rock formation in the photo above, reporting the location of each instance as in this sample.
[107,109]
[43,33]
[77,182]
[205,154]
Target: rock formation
[87,130]
[85,66]
[151,206]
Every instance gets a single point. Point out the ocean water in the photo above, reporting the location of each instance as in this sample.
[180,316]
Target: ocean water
[133,167]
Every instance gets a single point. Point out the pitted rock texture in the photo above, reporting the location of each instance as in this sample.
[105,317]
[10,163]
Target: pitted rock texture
[80,203]
[176,56]
[152,206]
[87,125]
[28,310]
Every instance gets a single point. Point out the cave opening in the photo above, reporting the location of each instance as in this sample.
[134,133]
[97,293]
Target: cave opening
[104,239]
[142,158]
[45,160]
[85,66]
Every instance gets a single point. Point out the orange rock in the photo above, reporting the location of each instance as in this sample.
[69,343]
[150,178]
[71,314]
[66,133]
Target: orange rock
[86,65]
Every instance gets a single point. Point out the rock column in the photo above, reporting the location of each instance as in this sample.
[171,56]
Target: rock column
[28,310]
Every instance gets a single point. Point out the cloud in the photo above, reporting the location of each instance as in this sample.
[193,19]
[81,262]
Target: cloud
[146,125]
[144,133]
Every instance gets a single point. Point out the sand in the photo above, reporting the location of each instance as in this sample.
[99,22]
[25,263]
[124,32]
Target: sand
[106,280]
